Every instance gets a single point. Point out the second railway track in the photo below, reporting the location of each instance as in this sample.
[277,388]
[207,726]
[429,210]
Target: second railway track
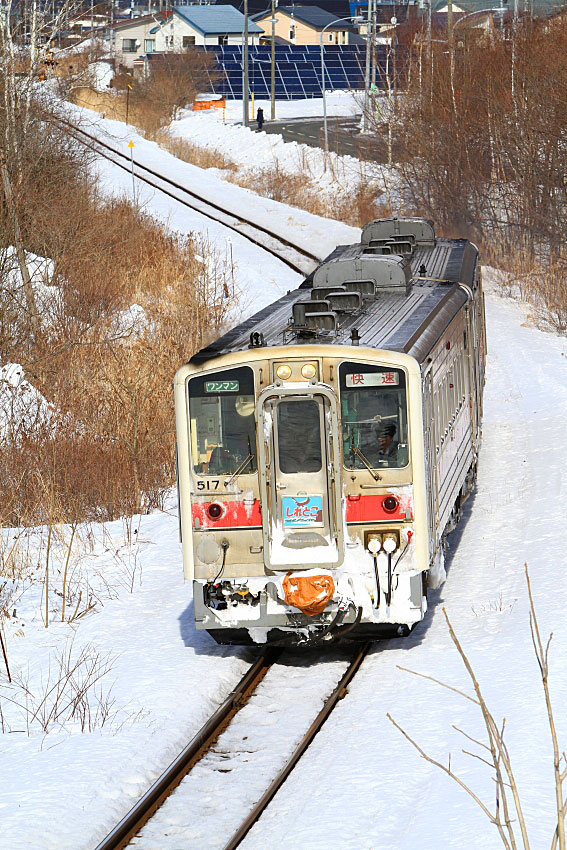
[297,258]
[224,779]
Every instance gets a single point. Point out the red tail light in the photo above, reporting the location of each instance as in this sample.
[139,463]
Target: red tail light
[214,511]
[390,504]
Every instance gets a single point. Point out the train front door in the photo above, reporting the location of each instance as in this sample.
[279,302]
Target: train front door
[302,526]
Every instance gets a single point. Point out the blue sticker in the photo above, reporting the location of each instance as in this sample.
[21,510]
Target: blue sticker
[302,511]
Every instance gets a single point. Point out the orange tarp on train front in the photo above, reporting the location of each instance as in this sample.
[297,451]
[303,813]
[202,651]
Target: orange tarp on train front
[311,594]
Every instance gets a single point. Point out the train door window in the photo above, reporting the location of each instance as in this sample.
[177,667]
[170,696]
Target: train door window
[299,436]
[223,425]
[374,416]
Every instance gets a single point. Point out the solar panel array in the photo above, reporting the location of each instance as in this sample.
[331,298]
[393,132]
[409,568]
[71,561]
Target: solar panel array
[298,70]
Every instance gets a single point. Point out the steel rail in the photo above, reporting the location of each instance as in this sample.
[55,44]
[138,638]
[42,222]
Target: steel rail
[339,692]
[214,206]
[124,831]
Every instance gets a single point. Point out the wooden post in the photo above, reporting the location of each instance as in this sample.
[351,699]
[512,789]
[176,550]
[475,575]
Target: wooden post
[28,289]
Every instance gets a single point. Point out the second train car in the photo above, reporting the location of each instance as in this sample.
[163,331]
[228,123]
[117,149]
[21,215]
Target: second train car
[325,445]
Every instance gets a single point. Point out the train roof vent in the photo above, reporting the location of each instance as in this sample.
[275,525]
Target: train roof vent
[365,287]
[386,274]
[318,306]
[323,291]
[345,301]
[417,231]
[404,245]
[308,323]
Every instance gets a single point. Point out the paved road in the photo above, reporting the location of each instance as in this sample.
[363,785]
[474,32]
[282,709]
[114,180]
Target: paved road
[343,135]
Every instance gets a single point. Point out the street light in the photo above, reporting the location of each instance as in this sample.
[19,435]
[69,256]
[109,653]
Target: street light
[354,18]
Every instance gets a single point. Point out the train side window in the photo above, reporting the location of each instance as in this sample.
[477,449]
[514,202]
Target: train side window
[460,363]
[437,417]
[374,416]
[223,426]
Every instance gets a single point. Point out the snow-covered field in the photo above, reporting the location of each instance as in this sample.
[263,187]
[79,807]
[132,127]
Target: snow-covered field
[63,785]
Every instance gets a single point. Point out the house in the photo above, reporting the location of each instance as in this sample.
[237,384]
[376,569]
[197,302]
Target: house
[179,28]
[304,25]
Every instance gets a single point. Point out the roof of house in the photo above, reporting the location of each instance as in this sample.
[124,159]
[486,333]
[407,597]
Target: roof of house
[212,20]
[313,16]
[155,17]
[540,7]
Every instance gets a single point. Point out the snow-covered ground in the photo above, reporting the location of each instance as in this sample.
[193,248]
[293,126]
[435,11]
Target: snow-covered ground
[64,784]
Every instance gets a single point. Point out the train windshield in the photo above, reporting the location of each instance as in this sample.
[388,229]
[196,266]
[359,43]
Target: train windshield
[374,416]
[223,425]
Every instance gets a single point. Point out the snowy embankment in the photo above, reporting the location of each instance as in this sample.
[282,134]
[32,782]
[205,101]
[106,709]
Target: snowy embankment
[361,785]
[376,792]
[260,277]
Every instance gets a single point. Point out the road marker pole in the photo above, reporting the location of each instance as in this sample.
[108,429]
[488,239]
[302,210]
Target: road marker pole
[131,146]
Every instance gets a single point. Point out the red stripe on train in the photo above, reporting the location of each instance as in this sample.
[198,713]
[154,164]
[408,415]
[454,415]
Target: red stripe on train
[237,514]
[369,509]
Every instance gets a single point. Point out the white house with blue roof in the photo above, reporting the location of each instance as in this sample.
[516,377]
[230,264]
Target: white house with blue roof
[183,27]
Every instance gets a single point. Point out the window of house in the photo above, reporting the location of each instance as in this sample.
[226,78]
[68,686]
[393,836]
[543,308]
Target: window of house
[292,33]
[188,40]
[223,39]
[129,45]
[330,36]
[149,45]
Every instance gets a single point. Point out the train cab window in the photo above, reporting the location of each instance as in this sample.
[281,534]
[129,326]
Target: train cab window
[223,425]
[374,416]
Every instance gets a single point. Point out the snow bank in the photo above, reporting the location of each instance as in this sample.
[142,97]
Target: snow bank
[22,407]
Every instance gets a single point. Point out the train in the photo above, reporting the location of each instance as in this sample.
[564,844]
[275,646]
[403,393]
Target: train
[326,445]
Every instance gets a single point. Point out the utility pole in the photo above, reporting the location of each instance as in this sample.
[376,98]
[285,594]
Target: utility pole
[374,22]
[245,87]
[273,69]
[429,40]
[367,72]
[20,253]
[451,51]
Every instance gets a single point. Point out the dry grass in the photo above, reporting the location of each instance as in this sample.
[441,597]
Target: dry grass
[188,152]
[302,190]
[106,368]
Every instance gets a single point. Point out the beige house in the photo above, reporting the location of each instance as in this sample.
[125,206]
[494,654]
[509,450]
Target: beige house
[304,25]
[178,29]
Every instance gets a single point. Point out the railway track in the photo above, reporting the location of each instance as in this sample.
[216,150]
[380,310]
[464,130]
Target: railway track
[207,743]
[298,259]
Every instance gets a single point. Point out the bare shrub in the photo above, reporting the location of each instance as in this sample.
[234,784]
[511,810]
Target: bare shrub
[547,292]
[132,303]
[174,81]
[70,691]
[355,204]
[506,813]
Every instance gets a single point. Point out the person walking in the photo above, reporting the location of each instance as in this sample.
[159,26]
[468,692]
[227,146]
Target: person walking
[260,117]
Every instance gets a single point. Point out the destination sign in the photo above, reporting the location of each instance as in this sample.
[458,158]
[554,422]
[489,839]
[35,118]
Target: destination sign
[222,386]
[373,379]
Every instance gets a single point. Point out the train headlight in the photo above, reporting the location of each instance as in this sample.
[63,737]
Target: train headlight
[283,371]
[309,371]
[390,543]
[374,544]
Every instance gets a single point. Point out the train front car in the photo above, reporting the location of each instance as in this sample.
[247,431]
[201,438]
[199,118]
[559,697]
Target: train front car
[305,485]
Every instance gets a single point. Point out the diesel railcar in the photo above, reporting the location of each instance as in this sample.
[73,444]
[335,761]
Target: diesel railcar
[325,445]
